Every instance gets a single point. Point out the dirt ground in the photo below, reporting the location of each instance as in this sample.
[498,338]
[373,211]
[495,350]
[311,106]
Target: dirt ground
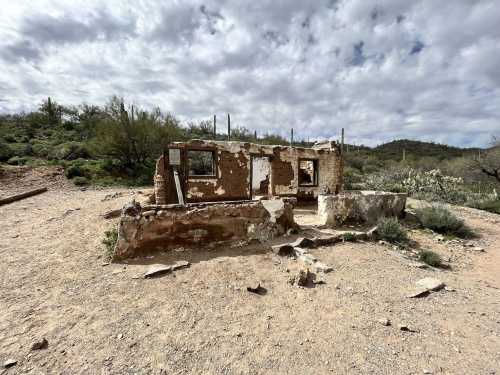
[107,319]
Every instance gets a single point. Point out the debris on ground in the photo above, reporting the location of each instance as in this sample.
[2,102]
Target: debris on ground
[40,344]
[430,283]
[303,278]
[9,363]
[284,250]
[385,322]
[157,270]
[258,289]
[405,328]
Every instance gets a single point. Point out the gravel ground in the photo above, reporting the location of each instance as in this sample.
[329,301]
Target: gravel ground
[106,319]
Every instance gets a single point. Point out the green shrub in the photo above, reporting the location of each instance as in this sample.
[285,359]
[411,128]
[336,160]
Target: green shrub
[431,258]
[390,230]
[17,160]
[80,181]
[73,171]
[491,205]
[21,149]
[5,151]
[69,151]
[349,237]
[41,149]
[9,138]
[109,241]
[441,220]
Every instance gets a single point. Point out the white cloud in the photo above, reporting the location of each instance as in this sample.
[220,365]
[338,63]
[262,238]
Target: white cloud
[382,70]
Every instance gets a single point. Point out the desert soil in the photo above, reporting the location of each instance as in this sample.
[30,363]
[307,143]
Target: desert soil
[107,319]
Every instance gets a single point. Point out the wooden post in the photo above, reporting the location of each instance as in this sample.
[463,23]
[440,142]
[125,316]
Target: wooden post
[291,137]
[215,127]
[255,135]
[342,142]
[228,127]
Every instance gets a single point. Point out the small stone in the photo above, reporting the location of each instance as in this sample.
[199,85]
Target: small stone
[120,336]
[284,250]
[427,371]
[157,270]
[257,289]
[405,328]
[9,363]
[478,249]
[430,283]
[40,344]
[385,322]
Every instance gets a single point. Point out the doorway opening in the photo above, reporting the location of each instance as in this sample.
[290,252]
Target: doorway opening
[261,177]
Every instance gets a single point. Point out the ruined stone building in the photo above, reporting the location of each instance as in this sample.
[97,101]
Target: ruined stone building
[209,171]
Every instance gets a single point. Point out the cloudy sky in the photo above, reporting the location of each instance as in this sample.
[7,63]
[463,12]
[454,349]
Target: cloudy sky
[384,69]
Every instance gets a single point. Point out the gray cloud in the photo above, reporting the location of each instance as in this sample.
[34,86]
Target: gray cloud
[396,69]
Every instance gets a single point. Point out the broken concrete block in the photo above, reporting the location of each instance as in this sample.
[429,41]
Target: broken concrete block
[157,270]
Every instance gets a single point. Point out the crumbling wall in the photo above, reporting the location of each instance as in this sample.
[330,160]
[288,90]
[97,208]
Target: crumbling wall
[144,230]
[233,171]
[359,207]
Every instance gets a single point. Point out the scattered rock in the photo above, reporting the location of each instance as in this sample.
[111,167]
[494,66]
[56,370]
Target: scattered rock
[430,283]
[321,267]
[157,270]
[112,214]
[385,322]
[258,289]
[418,293]
[9,363]
[40,344]
[478,249]
[303,278]
[405,328]
[292,231]
[303,242]
[180,264]
[284,250]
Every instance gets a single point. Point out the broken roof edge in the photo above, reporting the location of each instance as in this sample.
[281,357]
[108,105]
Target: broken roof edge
[323,145]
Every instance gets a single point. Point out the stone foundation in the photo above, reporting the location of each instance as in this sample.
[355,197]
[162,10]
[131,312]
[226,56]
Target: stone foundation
[144,230]
[359,207]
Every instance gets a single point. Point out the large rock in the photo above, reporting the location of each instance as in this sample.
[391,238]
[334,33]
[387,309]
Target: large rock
[430,283]
[359,207]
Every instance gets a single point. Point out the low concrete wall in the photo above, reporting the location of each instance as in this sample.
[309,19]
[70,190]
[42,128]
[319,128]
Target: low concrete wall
[359,207]
[144,230]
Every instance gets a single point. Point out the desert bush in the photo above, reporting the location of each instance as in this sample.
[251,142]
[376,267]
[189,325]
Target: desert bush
[109,241]
[73,171]
[9,138]
[21,149]
[441,220]
[431,258]
[69,151]
[17,160]
[349,237]
[390,230]
[5,151]
[80,181]
[488,204]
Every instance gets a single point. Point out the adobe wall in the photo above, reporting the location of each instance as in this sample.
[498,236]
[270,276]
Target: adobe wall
[145,230]
[233,171]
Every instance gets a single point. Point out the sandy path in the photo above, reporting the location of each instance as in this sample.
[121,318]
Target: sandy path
[100,319]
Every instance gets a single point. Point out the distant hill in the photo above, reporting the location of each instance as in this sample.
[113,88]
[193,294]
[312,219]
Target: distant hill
[394,150]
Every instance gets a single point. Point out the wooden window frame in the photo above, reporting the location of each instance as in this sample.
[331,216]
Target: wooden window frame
[214,160]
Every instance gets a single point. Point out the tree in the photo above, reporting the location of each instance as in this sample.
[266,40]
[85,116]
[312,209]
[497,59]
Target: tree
[135,137]
[489,163]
